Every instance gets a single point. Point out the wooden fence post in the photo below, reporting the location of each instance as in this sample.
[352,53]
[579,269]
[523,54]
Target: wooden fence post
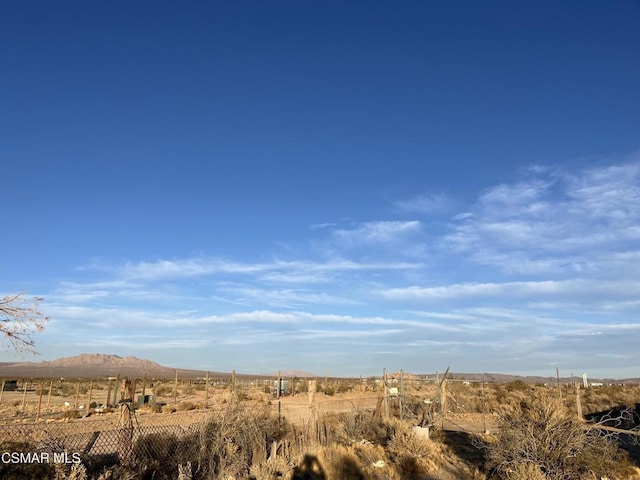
[115,389]
[484,414]
[558,383]
[75,404]
[578,403]
[206,391]
[443,397]
[401,394]
[89,396]
[2,391]
[386,394]
[233,381]
[40,401]
[49,394]
[108,404]
[175,388]
[278,385]
[125,440]
[312,424]
[24,392]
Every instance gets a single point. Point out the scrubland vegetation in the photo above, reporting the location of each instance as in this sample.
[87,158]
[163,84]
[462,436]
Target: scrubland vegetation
[533,433]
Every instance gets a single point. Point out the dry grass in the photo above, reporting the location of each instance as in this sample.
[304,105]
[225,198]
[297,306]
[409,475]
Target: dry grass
[243,439]
[363,446]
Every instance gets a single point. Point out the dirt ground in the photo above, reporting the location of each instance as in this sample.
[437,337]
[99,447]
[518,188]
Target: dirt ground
[22,407]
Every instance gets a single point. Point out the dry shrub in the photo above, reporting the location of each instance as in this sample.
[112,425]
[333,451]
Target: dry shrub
[188,389]
[542,433]
[273,469]
[157,455]
[229,439]
[73,472]
[117,473]
[404,439]
[70,414]
[356,426]
[183,406]
[22,471]
[411,455]
[525,471]
[364,440]
[336,462]
[598,399]
[163,390]
[151,408]
[368,453]
[405,455]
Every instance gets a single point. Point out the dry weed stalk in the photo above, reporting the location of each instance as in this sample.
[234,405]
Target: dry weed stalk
[228,441]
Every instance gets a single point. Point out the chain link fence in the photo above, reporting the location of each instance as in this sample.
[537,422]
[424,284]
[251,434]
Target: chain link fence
[148,443]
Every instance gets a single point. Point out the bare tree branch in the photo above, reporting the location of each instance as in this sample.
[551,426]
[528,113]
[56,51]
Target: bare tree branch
[20,318]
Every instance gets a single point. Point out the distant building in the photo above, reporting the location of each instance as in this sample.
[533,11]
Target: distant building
[146,399]
[284,386]
[10,386]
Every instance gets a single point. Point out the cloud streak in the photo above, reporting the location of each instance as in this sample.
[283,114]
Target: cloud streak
[556,222]
[426,203]
[537,272]
[377,233]
[531,290]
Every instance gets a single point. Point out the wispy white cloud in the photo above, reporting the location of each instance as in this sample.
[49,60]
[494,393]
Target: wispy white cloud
[288,298]
[426,203]
[80,293]
[322,226]
[377,233]
[289,269]
[555,222]
[140,342]
[189,267]
[292,278]
[581,288]
[534,272]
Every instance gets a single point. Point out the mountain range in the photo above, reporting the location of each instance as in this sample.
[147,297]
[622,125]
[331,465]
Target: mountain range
[95,365]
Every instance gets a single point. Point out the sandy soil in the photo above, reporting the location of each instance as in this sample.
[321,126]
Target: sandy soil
[21,408]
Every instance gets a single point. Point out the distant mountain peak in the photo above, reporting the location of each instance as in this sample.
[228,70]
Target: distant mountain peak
[101,360]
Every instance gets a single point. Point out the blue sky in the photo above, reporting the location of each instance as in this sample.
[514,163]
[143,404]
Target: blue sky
[326,186]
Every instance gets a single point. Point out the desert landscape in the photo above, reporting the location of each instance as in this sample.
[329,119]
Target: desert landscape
[157,424]
[320,240]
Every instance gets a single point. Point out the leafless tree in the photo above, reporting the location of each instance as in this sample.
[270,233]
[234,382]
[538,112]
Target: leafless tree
[20,318]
